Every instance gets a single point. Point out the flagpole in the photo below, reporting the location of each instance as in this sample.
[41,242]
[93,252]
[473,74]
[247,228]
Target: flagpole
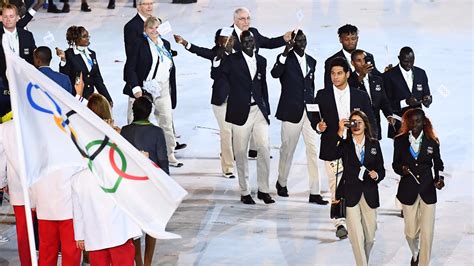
[22,170]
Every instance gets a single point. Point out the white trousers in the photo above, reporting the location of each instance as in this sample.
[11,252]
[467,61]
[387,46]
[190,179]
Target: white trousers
[332,190]
[361,225]
[225,130]
[163,114]
[419,227]
[290,134]
[257,126]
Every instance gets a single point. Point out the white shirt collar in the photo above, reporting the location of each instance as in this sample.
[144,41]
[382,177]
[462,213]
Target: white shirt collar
[358,146]
[142,17]
[81,49]
[341,92]
[300,57]
[404,72]
[10,32]
[238,31]
[249,58]
[414,140]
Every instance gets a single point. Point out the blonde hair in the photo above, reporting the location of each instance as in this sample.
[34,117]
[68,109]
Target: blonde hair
[151,21]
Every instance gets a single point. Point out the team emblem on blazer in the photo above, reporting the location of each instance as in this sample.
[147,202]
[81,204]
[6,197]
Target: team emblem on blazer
[429,150]
[419,87]
[259,76]
[373,151]
[357,109]
[26,51]
[378,87]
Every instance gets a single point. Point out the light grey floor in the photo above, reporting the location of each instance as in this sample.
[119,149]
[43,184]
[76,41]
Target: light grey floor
[216,228]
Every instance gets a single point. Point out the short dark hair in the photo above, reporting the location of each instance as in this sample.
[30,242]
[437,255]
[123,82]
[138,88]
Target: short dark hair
[406,50]
[299,32]
[347,29]
[44,54]
[245,33]
[356,52]
[141,108]
[340,61]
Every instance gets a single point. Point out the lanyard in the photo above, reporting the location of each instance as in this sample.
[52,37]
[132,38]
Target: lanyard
[413,153]
[11,41]
[89,60]
[161,50]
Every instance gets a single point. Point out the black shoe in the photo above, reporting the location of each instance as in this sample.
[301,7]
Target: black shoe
[317,199]
[229,175]
[281,191]
[53,9]
[85,7]
[252,154]
[265,197]
[65,8]
[341,232]
[111,5]
[401,213]
[247,199]
[180,146]
[415,263]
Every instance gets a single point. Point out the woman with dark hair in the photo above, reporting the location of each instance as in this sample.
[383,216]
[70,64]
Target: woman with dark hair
[416,156]
[363,169]
[78,58]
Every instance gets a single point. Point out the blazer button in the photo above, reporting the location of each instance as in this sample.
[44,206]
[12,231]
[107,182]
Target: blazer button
[88,76]
[416,164]
[417,176]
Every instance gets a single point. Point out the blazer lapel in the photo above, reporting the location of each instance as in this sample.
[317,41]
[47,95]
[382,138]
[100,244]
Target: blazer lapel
[244,65]
[401,79]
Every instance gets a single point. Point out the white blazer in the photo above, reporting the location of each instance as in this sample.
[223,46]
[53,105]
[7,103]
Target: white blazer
[97,218]
[52,195]
[9,164]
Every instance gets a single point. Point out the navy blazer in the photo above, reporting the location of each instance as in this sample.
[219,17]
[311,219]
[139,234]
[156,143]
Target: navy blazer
[149,138]
[297,88]
[242,87]
[350,186]
[92,79]
[359,100]
[61,79]
[220,87]
[397,90]
[27,46]
[327,67]
[132,31]
[138,66]
[429,158]
[260,41]
[378,97]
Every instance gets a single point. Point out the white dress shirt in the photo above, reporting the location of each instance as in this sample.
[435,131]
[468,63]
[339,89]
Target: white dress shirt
[97,218]
[85,55]
[237,31]
[408,77]
[13,42]
[359,149]
[349,59]
[251,64]
[343,104]
[367,86]
[415,143]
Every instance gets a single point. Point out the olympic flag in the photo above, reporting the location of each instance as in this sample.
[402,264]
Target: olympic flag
[55,130]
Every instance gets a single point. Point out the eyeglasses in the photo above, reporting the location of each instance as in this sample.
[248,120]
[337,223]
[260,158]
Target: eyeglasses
[147,4]
[244,19]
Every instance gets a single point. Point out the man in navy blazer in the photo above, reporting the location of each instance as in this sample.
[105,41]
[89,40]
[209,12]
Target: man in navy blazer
[406,86]
[248,110]
[336,103]
[42,58]
[363,79]
[133,30]
[348,37]
[295,69]
[21,42]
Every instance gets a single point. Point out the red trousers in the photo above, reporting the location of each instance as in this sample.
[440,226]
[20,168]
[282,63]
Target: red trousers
[122,255]
[22,235]
[55,233]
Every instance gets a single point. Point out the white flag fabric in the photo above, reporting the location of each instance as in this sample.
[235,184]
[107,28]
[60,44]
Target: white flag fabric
[55,131]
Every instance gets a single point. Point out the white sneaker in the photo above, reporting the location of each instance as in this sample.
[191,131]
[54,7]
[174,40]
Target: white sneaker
[4,239]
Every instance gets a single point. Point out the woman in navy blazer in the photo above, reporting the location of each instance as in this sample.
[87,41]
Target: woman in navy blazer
[363,169]
[78,58]
[416,156]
